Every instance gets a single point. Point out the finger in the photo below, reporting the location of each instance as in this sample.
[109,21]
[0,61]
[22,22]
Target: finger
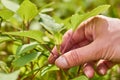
[81,44]
[89,70]
[103,66]
[79,56]
[71,38]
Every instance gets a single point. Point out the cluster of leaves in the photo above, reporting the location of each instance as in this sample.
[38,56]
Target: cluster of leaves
[30,48]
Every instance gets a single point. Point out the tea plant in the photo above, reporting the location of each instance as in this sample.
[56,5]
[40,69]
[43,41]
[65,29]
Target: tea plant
[29,49]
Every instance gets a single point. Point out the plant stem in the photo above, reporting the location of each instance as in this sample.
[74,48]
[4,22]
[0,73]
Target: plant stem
[48,49]
[38,71]
[78,71]
[59,75]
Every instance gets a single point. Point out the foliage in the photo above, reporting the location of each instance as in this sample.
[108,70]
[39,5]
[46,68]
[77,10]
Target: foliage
[31,28]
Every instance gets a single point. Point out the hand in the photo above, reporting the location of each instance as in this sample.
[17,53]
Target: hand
[96,42]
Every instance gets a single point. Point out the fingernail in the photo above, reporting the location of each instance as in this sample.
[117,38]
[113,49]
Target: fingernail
[61,62]
[88,74]
[102,71]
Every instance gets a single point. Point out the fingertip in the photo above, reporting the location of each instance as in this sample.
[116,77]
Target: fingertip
[102,71]
[52,58]
[102,67]
[89,70]
[89,73]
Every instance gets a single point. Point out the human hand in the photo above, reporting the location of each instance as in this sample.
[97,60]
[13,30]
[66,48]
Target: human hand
[96,42]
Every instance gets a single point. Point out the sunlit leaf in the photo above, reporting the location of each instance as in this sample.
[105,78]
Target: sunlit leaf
[3,39]
[26,47]
[58,38]
[50,24]
[49,68]
[34,34]
[77,19]
[46,10]
[27,10]
[3,66]
[81,77]
[6,14]
[10,76]
[23,60]
[10,5]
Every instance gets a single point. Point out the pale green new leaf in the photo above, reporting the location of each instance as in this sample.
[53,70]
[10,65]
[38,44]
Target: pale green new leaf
[10,76]
[46,10]
[10,5]
[34,34]
[3,39]
[26,47]
[23,60]
[58,38]
[81,77]
[6,14]
[77,19]
[27,11]
[50,24]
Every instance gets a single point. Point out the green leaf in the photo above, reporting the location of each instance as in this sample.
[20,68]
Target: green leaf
[27,11]
[4,67]
[23,60]
[46,10]
[77,19]
[6,14]
[81,77]
[10,76]
[50,24]
[34,34]
[58,38]
[2,39]
[10,5]
[49,68]
[26,47]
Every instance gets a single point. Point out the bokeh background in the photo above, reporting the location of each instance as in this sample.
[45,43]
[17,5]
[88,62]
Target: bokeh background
[59,10]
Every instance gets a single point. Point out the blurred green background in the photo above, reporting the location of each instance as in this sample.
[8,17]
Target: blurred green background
[65,8]
[59,10]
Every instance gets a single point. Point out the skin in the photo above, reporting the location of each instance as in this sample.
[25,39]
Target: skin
[95,43]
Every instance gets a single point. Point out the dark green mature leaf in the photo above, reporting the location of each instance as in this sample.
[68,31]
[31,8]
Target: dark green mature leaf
[23,60]
[27,11]
[10,76]
[10,5]
[50,24]
[6,14]
[34,34]
[81,77]
[26,47]
[3,39]
[77,19]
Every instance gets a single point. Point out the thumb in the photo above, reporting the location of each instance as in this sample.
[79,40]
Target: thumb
[79,56]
